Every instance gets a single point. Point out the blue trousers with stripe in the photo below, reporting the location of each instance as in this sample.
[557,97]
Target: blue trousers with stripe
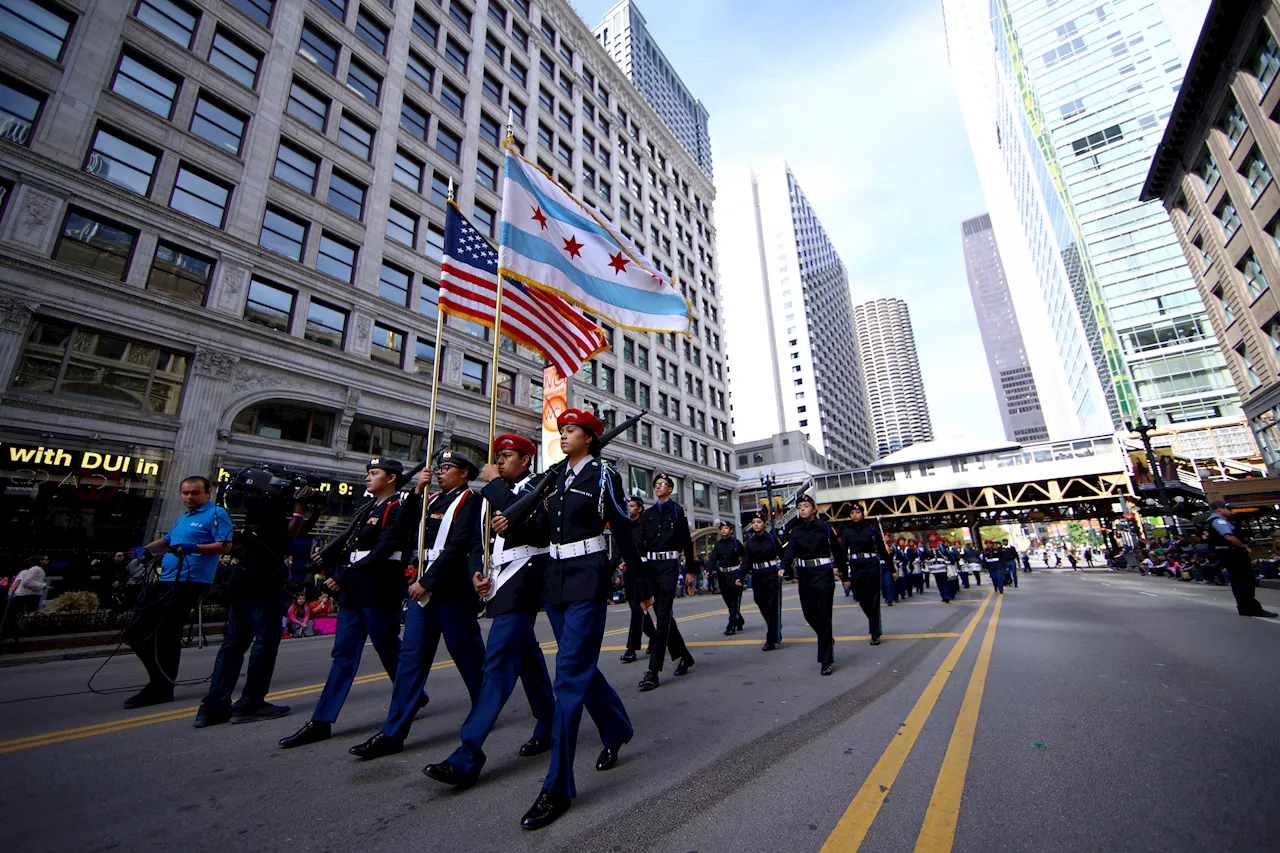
[355,625]
[423,627]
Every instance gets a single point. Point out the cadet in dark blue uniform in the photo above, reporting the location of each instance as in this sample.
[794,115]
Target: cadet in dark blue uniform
[586,497]
[726,558]
[513,596]
[867,558]
[815,553]
[442,600]
[635,587]
[368,576]
[993,562]
[762,556]
[665,538]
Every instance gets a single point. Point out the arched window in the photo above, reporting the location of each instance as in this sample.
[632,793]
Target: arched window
[286,420]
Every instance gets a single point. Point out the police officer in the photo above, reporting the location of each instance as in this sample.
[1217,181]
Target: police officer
[816,554]
[586,496]
[367,563]
[762,555]
[633,582]
[867,559]
[726,559]
[1233,556]
[442,599]
[665,538]
[512,591]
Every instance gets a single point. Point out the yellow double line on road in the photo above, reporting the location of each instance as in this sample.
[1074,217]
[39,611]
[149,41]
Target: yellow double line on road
[938,831]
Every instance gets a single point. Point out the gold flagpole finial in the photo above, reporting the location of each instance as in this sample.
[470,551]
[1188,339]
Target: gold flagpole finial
[511,124]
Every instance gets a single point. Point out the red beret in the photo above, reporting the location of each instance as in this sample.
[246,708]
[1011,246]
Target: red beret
[586,420]
[514,442]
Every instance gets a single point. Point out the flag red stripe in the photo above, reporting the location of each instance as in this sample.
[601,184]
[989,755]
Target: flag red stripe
[558,308]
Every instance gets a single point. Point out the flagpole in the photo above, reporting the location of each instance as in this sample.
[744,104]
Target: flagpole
[431,427]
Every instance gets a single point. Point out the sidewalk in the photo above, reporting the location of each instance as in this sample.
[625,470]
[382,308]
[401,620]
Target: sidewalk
[59,647]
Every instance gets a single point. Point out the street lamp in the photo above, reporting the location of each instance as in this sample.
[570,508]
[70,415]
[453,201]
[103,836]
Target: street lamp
[1144,431]
[768,481]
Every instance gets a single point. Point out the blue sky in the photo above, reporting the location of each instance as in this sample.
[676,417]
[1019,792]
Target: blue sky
[857,97]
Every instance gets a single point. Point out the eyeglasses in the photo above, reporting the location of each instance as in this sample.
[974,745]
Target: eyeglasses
[445,466]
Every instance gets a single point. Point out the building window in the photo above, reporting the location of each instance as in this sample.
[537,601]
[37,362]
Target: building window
[435,242]
[201,196]
[126,164]
[169,18]
[1233,122]
[355,137]
[283,234]
[1229,218]
[336,258]
[449,145]
[485,220]
[1256,173]
[87,240]
[319,48]
[146,86]
[408,171]
[1254,280]
[372,439]
[1207,169]
[1273,332]
[491,88]
[629,388]
[517,111]
[326,324]
[402,226]
[307,107]
[364,82]
[474,372]
[506,387]
[518,73]
[414,119]
[419,71]
[258,10]
[67,360]
[218,124]
[1205,258]
[424,357]
[393,284]
[606,378]
[1228,316]
[270,305]
[461,14]
[19,108]
[346,195]
[453,98]
[337,8]
[439,189]
[643,397]
[39,26]
[486,174]
[1251,375]
[425,26]
[535,395]
[286,422]
[180,272]
[387,345]
[232,57]
[296,168]
[456,55]
[371,32]
[1266,60]
[490,129]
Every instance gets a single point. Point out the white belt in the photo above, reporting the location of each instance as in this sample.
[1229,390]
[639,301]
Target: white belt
[767,564]
[663,555]
[865,555]
[813,564]
[577,549]
[524,552]
[357,556]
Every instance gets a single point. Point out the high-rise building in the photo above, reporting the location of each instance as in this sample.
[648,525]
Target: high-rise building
[1015,384]
[790,320]
[221,227]
[1214,171]
[1092,86]
[891,371]
[626,38]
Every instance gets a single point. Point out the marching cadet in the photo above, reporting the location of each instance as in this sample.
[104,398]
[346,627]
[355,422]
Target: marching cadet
[368,577]
[763,556]
[442,599]
[867,557]
[972,559]
[665,539]
[936,564]
[633,582]
[513,597]
[586,497]
[816,554]
[726,558]
[993,562]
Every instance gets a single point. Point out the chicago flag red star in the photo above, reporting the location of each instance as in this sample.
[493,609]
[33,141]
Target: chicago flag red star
[540,217]
[618,263]
[573,247]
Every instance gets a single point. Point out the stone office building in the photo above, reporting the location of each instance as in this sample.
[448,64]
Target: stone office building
[221,223]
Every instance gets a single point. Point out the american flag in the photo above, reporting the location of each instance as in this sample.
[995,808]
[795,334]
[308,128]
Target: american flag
[540,321]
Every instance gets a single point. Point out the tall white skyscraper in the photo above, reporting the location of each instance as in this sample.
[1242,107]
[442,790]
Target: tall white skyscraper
[891,371]
[789,320]
[1065,103]
[625,37]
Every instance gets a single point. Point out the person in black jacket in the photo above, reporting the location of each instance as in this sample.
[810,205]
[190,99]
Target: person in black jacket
[726,558]
[762,555]
[816,554]
[442,600]
[367,574]
[665,538]
[867,558]
[640,618]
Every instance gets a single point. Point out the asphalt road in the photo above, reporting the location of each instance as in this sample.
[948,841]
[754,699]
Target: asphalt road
[1083,711]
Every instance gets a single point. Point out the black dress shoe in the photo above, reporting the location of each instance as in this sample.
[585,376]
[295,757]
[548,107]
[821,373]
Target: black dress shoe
[875,641]
[649,682]
[445,772]
[146,697]
[256,712]
[742,624]
[827,669]
[768,647]
[648,650]
[377,746]
[609,756]
[534,746]
[682,668]
[312,732]
[629,656]
[545,810]
[729,632]
[420,704]
[205,718]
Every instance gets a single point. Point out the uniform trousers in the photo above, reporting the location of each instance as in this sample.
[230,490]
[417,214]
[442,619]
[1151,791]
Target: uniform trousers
[579,630]
[665,573]
[254,620]
[888,586]
[1011,573]
[641,621]
[943,583]
[817,587]
[154,631]
[866,588]
[381,625]
[964,579]
[423,626]
[731,592]
[766,588]
[1243,583]
[997,579]
[918,579]
[512,652]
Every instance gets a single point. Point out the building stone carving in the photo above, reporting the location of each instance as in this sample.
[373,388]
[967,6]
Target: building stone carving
[214,364]
[32,221]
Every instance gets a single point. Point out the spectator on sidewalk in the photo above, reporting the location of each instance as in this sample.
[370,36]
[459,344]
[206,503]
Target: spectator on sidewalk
[298,618]
[29,586]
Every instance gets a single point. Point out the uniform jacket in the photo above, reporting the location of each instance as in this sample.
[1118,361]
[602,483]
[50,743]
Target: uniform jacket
[814,540]
[448,576]
[665,527]
[863,537]
[634,582]
[992,559]
[761,548]
[522,593]
[1008,552]
[726,556]
[376,579]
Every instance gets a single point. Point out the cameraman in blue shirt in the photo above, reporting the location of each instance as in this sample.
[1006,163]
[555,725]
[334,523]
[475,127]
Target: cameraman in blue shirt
[191,553]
